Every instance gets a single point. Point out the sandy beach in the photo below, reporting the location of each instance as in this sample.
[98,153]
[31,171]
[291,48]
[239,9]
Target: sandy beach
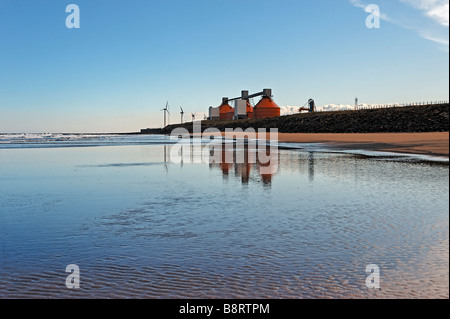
[434,144]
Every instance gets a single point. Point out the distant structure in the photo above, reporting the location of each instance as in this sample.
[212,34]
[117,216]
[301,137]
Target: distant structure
[225,110]
[311,107]
[356,103]
[266,108]
[166,114]
[182,115]
[214,113]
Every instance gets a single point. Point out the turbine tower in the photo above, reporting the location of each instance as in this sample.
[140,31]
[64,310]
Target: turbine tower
[166,114]
[182,114]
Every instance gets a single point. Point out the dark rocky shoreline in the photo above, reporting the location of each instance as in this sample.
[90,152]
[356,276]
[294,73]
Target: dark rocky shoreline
[424,118]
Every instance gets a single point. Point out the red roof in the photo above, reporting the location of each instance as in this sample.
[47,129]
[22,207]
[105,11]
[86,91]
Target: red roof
[266,108]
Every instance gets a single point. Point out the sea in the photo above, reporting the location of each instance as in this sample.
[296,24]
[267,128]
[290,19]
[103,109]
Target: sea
[139,216]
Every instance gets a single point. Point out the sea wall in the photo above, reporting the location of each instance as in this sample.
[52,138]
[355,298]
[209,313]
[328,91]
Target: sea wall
[424,118]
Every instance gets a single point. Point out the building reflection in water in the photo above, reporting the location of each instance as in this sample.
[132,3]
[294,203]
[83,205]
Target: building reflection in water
[311,166]
[243,160]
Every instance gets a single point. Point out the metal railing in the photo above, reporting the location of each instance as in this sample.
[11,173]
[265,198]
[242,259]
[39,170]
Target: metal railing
[337,107]
[386,106]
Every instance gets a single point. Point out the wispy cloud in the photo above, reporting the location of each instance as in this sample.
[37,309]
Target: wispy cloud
[290,110]
[436,11]
[437,40]
[360,4]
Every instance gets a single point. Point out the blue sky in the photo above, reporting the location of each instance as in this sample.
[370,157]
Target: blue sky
[117,71]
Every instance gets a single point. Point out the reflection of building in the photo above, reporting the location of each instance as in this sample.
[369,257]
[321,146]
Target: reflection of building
[243,159]
[224,165]
[266,177]
[244,170]
[311,166]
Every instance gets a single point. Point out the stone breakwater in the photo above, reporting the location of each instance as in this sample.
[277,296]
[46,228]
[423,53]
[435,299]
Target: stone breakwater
[425,118]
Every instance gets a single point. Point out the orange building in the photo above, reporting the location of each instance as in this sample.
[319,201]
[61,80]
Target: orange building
[230,114]
[266,108]
[225,109]
[249,110]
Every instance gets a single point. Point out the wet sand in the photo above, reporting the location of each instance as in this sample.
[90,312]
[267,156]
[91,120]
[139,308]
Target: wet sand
[434,144]
[307,232]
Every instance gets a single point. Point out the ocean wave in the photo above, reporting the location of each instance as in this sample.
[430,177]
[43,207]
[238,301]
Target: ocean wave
[29,137]
[50,140]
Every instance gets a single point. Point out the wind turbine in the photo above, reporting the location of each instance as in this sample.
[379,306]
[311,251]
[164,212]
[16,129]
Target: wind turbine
[166,112]
[182,114]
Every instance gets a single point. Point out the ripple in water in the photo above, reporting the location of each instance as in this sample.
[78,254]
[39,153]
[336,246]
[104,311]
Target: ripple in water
[210,231]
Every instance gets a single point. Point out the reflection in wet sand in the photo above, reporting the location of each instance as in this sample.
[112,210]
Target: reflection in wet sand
[209,230]
[311,166]
[250,169]
[245,162]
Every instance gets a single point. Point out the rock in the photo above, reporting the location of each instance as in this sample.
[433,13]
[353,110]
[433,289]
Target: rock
[424,118]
